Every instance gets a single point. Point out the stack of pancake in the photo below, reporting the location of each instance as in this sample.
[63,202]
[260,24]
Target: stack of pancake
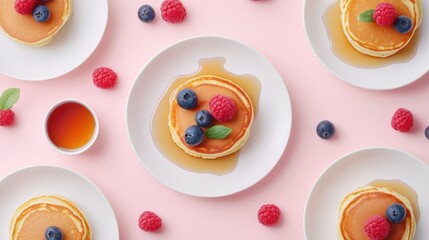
[206,87]
[374,40]
[26,30]
[359,205]
[33,217]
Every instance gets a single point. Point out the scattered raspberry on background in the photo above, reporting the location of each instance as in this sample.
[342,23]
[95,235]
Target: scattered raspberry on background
[173,11]
[377,227]
[222,108]
[384,14]
[269,214]
[6,117]
[25,7]
[104,77]
[402,120]
[149,221]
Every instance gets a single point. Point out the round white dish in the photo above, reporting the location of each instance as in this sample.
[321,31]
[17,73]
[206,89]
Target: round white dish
[73,44]
[25,183]
[354,170]
[257,158]
[383,78]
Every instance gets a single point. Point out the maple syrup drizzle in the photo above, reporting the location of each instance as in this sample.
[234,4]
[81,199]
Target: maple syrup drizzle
[159,125]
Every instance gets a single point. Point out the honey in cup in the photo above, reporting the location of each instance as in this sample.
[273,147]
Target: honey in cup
[71,126]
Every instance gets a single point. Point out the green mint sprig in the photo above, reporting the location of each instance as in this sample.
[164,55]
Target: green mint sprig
[366,16]
[218,132]
[8,98]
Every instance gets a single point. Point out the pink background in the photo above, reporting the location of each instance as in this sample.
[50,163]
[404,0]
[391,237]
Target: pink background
[275,29]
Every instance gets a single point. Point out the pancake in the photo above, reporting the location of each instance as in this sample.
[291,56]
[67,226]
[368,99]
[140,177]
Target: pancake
[374,40]
[206,87]
[33,217]
[367,201]
[26,30]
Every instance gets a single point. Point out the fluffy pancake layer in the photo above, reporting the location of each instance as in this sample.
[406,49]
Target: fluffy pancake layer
[206,87]
[33,217]
[24,29]
[374,40]
[367,201]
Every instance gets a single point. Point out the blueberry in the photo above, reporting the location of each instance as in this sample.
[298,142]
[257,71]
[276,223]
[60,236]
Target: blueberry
[194,135]
[325,129]
[187,99]
[41,13]
[403,24]
[203,118]
[146,13]
[53,233]
[427,132]
[396,213]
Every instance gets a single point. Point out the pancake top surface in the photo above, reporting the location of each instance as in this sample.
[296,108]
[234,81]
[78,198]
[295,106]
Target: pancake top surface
[367,201]
[377,38]
[206,87]
[33,217]
[25,29]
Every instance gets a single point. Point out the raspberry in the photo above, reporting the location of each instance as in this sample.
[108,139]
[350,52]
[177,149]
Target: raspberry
[149,221]
[384,14]
[6,117]
[25,7]
[104,77]
[402,120]
[269,214]
[377,227]
[222,108]
[173,11]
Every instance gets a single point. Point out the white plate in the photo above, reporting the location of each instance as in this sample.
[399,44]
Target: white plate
[383,78]
[258,156]
[355,170]
[73,44]
[23,184]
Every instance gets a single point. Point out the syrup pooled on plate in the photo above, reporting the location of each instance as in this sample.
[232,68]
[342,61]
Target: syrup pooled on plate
[70,126]
[159,124]
[345,51]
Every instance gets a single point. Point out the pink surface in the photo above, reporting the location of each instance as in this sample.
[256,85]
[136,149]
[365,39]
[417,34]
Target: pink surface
[272,27]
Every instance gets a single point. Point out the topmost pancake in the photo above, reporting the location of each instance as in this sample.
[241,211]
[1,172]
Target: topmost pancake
[26,30]
[374,40]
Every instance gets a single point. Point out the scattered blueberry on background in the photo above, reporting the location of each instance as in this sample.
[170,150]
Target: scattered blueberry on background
[325,129]
[146,13]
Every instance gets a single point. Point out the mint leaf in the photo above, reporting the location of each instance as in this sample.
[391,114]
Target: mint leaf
[9,97]
[218,132]
[366,16]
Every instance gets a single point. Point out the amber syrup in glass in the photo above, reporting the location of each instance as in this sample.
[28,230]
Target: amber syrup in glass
[348,54]
[70,126]
[159,124]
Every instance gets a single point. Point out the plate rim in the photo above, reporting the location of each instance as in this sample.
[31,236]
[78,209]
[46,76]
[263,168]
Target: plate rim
[200,38]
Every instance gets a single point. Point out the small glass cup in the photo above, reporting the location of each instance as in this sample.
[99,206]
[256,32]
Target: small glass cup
[71,126]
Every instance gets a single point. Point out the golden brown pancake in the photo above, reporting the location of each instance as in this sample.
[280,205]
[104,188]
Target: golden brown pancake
[33,217]
[374,40]
[359,205]
[206,87]
[26,30]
